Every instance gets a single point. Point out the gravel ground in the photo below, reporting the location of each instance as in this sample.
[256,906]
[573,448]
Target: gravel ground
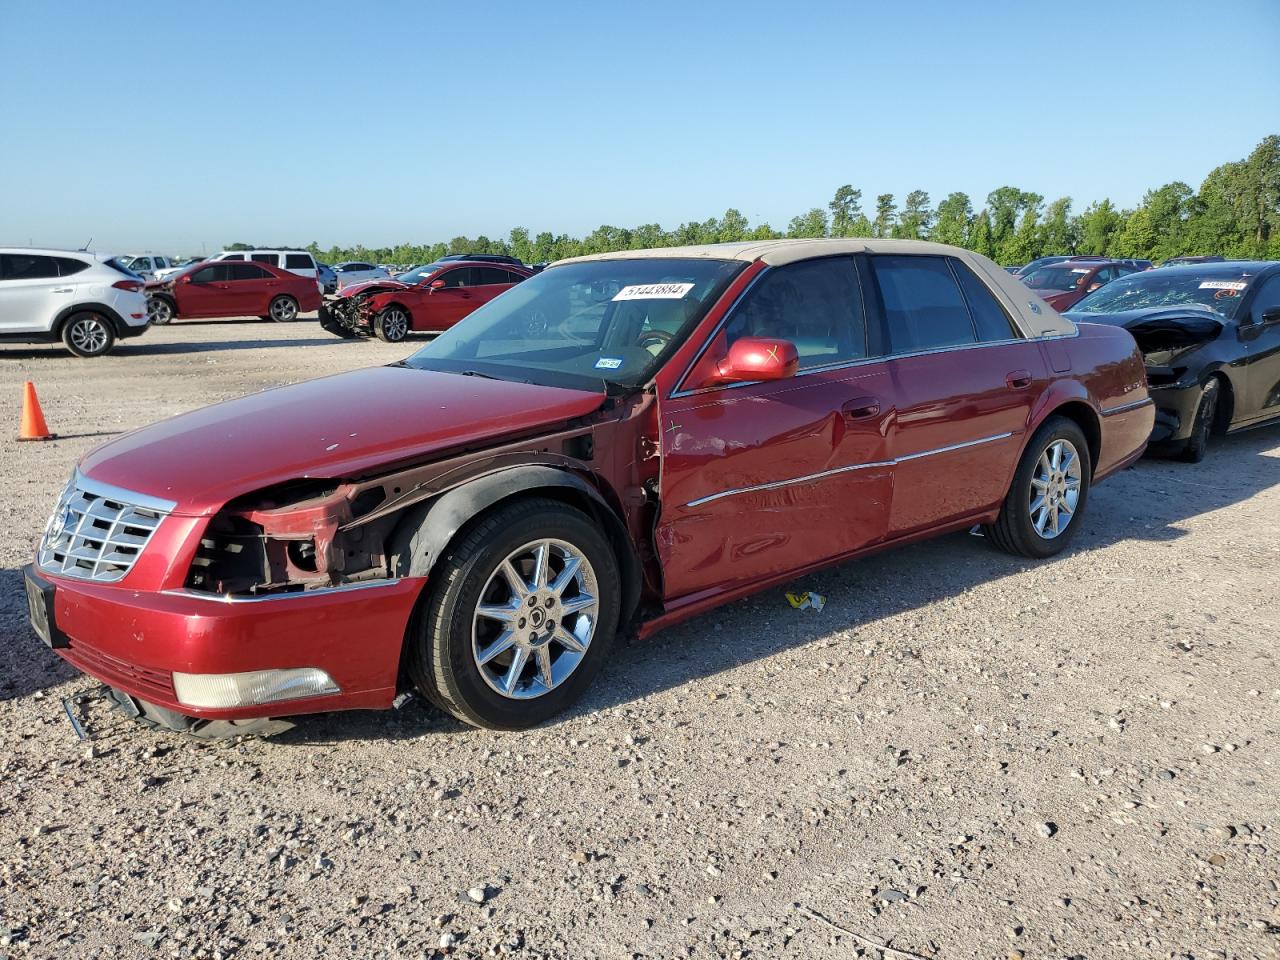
[962,755]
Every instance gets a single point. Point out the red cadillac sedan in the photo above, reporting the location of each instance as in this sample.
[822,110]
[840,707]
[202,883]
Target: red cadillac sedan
[572,461]
[228,288]
[430,298]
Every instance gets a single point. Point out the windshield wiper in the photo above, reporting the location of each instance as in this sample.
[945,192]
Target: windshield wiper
[490,376]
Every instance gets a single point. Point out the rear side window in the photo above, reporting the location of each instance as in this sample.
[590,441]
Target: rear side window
[27,266]
[234,256]
[271,258]
[247,271]
[816,304]
[923,307]
[486,276]
[988,316]
[513,277]
[68,265]
[298,261]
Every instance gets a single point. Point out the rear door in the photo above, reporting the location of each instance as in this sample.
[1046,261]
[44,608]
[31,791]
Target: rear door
[31,294]
[249,289]
[760,479]
[963,385]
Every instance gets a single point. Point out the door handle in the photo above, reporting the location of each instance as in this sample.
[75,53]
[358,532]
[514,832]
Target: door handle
[63,289]
[1018,379]
[862,408]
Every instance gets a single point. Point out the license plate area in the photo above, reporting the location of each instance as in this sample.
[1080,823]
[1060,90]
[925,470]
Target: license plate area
[40,611]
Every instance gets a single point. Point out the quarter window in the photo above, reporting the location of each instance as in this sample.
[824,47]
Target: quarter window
[989,317]
[816,305]
[923,306]
[68,265]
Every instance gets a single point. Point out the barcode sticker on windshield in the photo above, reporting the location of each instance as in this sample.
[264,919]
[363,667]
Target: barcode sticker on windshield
[654,291]
[1079,269]
[1223,285]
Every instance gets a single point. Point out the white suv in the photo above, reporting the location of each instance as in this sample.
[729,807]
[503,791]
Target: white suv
[86,300]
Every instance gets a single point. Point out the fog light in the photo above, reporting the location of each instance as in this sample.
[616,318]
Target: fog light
[215,691]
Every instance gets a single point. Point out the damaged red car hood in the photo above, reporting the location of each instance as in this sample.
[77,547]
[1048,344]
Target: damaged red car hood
[372,286]
[333,427]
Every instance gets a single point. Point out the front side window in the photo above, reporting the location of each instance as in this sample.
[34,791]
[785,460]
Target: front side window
[923,306]
[457,278]
[816,305]
[213,273]
[27,266]
[585,324]
[234,256]
[1057,277]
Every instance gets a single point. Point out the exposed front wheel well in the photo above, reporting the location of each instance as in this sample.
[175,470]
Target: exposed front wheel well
[1225,410]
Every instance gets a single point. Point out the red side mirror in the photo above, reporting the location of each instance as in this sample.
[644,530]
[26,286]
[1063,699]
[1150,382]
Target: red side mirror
[758,358]
[437,284]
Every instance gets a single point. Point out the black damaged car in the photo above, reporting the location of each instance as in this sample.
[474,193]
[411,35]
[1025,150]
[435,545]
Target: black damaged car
[1210,334]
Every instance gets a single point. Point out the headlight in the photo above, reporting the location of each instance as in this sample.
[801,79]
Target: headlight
[217,691]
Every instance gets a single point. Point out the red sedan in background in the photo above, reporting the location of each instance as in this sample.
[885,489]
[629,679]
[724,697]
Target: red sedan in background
[430,298]
[1060,285]
[232,289]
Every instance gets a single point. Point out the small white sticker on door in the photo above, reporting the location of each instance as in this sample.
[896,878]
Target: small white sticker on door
[654,291]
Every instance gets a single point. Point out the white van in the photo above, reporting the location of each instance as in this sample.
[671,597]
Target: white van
[295,261]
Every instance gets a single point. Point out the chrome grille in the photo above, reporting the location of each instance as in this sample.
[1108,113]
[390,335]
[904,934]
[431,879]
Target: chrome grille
[97,531]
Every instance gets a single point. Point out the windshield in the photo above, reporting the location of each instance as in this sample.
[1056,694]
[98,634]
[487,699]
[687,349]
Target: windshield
[1043,261]
[1056,277]
[575,325]
[418,274]
[1219,293]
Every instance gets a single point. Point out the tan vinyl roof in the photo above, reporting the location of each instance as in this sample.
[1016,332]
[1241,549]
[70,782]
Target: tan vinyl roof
[1034,317]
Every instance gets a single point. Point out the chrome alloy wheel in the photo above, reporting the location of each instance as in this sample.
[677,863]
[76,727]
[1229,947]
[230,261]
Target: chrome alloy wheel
[535,619]
[395,324]
[283,310]
[89,334]
[1055,489]
[160,311]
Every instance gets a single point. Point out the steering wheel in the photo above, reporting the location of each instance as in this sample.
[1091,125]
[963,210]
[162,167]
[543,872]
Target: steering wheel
[654,338]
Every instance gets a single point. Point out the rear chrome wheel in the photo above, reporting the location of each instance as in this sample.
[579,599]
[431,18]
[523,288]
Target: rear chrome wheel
[1049,492]
[283,309]
[1055,489]
[535,619]
[88,335]
[392,324]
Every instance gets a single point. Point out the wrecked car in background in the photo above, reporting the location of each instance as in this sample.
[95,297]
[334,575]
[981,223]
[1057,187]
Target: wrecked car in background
[574,460]
[1210,335]
[431,298]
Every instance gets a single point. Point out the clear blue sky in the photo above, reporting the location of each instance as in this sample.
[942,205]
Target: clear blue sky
[168,126]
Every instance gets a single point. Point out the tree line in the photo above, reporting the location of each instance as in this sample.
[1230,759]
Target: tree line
[1235,213]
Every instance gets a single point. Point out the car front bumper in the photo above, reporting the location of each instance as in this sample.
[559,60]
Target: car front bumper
[135,640]
[1175,412]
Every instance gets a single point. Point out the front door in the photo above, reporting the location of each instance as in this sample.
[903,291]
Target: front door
[963,384]
[1261,340]
[445,306]
[206,292]
[759,479]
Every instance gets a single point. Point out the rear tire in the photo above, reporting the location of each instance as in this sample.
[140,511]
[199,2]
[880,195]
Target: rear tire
[88,334]
[489,668]
[1050,491]
[1202,425]
[283,310]
[392,324]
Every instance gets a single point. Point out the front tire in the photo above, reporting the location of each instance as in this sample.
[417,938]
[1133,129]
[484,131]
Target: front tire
[88,334]
[522,617]
[160,310]
[1202,425]
[1050,491]
[283,309]
[392,324]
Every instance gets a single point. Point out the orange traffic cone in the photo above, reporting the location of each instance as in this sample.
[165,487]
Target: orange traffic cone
[33,425]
